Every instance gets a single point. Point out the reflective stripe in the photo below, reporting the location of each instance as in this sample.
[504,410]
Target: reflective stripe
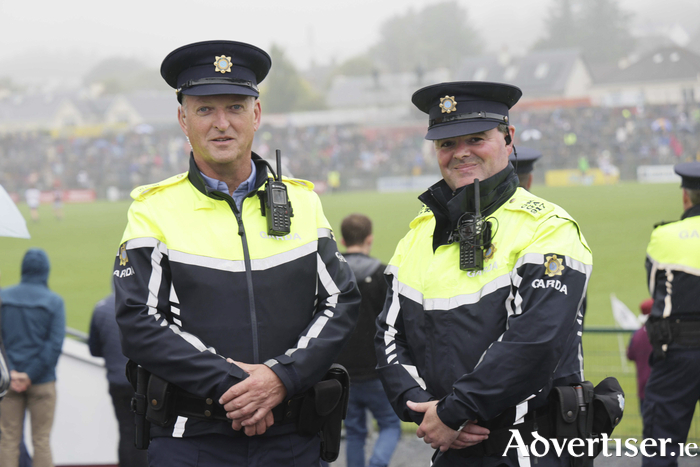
[324,233]
[261,264]
[179,428]
[193,340]
[314,332]
[413,371]
[447,304]
[392,314]
[577,265]
[520,412]
[207,262]
[173,296]
[155,280]
[283,258]
[327,281]
[669,292]
[675,267]
[143,242]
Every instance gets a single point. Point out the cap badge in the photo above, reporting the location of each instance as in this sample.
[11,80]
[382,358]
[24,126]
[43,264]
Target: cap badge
[448,104]
[223,64]
[553,266]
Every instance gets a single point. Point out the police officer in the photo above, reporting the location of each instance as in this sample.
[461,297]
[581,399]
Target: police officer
[524,163]
[673,273]
[232,321]
[483,316]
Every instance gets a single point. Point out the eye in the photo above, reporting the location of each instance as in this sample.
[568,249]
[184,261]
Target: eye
[446,143]
[203,109]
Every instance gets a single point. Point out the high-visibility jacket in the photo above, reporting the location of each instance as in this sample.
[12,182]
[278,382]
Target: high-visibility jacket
[197,282]
[492,342]
[673,267]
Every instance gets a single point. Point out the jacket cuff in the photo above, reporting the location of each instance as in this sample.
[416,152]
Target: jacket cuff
[453,413]
[416,395]
[283,368]
[234,376]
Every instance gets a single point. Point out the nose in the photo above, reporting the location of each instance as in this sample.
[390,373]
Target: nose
[461,150]
[220,121]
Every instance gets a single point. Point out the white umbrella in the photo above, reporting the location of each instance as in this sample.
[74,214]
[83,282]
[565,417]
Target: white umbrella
[12,224]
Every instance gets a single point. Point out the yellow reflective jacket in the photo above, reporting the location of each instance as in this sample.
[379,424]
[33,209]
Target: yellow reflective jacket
[198,282]
[673,267]
[493,342]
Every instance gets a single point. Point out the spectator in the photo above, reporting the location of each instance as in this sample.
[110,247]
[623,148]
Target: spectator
[33,326]
[366,391]
[639,351]
[104,342]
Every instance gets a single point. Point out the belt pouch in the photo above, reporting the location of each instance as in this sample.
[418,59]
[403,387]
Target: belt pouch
[158,398]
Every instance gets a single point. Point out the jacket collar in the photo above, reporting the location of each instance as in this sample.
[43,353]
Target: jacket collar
[448,206]
[195,176]
[691,212]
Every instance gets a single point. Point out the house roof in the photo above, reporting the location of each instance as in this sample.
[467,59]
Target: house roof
[539,74]
[381,90]
[664,64]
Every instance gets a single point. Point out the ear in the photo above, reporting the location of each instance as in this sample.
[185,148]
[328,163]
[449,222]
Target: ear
[257,111]
[687,204]
[181,116]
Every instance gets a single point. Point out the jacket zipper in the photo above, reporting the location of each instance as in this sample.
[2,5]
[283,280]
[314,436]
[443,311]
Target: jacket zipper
[248,273]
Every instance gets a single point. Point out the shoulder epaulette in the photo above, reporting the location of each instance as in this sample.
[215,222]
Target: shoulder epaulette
[536,207]
[424,213]
[142,192]
[299,182]
[659,224]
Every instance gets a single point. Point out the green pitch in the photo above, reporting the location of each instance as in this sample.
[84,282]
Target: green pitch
[616,221]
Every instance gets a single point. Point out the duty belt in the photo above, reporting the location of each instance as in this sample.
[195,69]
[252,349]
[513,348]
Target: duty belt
[665,331]
[188,405]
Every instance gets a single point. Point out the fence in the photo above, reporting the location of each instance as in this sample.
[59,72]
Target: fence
[604,351]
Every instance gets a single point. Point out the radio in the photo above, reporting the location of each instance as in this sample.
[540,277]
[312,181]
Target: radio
[474,236]
[275,205]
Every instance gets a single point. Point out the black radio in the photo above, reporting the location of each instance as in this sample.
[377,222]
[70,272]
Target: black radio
[474,236]
[276,206]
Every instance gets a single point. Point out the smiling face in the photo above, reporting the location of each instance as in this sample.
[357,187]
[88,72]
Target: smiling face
[220,129]
[479,155]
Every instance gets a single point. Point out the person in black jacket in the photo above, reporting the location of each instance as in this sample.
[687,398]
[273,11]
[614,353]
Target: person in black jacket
[104,342]
[366,391]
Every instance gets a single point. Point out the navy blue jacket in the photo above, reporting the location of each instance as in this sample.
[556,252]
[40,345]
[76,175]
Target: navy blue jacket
[33,321]
[104,341]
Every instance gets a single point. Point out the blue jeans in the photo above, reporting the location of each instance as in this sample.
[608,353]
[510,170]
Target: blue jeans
[370,395]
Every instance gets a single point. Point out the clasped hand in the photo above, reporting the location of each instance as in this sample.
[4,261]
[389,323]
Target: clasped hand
[19,382]
[249,403]
[441,436]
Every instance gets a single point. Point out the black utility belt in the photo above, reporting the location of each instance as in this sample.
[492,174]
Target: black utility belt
[575,411]
[665,331]
[319,410]
[188,405]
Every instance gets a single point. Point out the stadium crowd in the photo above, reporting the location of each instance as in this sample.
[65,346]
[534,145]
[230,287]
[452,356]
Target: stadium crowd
[624,137]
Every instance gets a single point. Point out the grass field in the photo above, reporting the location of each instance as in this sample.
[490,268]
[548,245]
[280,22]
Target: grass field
[616,221]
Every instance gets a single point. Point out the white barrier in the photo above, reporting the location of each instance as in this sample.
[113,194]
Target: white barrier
[657,174]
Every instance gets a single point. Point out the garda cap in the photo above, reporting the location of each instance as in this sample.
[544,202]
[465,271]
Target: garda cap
[216,67]
[465,107]
[690,174]
[525,160]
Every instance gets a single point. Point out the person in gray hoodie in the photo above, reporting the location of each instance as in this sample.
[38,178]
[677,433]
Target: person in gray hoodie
[366,391]
[33,327]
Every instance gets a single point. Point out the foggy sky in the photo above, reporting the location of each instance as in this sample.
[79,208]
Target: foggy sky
[318,30]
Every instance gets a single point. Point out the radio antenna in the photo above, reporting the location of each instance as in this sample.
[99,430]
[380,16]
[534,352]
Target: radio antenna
[278,155]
